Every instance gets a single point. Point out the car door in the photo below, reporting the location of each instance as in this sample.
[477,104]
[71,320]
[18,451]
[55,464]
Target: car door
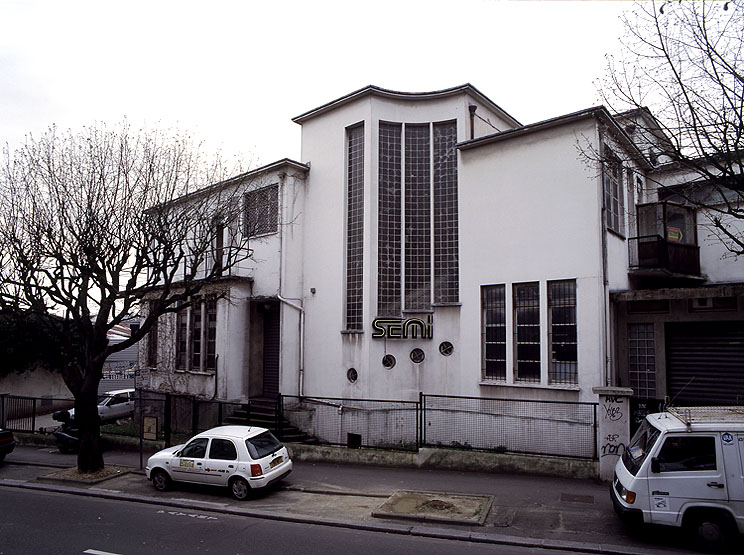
[188,465]
[688,467]
[120,406]
[221,462]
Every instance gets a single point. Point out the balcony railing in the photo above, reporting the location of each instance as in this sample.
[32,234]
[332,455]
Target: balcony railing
[653,252]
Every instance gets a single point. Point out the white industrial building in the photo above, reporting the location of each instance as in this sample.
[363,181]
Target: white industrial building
[430,242]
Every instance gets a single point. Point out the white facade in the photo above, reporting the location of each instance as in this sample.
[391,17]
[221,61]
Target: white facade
[527,219]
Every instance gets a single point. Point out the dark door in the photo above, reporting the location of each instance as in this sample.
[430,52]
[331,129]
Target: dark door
[705,363]
[271,344]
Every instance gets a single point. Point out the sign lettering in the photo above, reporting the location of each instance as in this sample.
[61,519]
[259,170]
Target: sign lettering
[397,328]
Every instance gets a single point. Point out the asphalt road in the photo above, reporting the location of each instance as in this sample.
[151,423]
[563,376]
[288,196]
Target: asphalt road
[51,523]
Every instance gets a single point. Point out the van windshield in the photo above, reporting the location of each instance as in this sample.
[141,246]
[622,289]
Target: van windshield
[640,446]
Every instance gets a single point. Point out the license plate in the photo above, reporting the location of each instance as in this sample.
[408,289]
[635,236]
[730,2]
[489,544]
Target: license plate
[277,461]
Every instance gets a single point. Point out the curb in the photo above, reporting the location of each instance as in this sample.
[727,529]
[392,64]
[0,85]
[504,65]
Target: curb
[390,528]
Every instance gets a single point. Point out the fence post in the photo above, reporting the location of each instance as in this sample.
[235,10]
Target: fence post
[194,415]
[279,413]
[33,417]
[422,432]
[614,427]
[3,397]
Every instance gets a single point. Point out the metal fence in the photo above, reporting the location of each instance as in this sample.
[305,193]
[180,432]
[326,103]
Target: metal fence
[558,428]
[510,425]
[355,422]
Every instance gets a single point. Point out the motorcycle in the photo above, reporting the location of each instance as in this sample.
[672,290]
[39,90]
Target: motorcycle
[67,434]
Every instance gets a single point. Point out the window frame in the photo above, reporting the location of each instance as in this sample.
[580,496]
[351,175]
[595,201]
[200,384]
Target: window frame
[261,211]
[497,294]
[556,376]
[613,193]
[196,336]
[519,308]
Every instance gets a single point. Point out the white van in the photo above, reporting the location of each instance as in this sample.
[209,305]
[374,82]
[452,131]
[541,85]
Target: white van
[685,467]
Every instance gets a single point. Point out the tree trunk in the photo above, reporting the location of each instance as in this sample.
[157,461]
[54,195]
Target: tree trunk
[90,454]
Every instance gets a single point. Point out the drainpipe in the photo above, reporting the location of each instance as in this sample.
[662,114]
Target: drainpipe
[301,376]
[472,108]
[605,278]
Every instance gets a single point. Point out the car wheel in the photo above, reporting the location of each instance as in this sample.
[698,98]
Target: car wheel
[160,480]
[712,532]
[240,489]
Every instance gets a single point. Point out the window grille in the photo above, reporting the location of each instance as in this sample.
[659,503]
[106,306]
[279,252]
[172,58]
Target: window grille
[261,211]
[354,227]
[563,337]
[527,332]
[642,360]
[493,326]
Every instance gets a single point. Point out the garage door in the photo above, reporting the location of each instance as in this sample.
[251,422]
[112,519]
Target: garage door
[705,363]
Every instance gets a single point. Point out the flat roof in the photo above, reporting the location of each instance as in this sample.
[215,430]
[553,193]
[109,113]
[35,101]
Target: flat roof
[399,95]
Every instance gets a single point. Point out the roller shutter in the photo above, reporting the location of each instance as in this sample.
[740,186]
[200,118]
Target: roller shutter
[271,347]
[705,363]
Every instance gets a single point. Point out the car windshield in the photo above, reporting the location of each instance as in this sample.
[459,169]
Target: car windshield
[640,446]
[103,399]
[262,445]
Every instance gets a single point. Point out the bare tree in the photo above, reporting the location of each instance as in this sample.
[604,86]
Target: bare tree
[91,224]
[682,61]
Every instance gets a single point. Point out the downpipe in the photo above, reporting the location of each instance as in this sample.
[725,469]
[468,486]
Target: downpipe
[301,372]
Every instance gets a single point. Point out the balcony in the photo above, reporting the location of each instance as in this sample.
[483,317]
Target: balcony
[655,256]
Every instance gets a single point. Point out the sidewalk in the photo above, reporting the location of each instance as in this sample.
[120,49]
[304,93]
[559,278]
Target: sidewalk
[531,511]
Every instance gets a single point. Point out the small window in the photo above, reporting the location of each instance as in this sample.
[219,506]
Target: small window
[388,361]
[223,449]
[613,193]
[683,454]
[446,348]
[352,375]
[261,211]
[196,449]
[262,445]
[418,356]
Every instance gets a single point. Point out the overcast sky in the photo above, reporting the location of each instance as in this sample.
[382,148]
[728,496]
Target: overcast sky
[234,73]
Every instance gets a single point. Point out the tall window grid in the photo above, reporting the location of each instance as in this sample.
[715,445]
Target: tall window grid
[563,333]
[354,227]
[446,251]
[527,332]
[493,318]
[612,179]
[389,220]
[417,201]
[261,211]
[196,336]
[642,360]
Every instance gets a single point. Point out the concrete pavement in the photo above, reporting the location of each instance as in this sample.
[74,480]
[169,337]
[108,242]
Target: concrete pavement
[539,511]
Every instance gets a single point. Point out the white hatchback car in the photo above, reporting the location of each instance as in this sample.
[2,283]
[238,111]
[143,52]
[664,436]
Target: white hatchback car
[114,405]
[241,458]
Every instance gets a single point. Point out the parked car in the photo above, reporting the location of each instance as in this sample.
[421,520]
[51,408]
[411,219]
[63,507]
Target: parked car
[240,458]
[685,468]
[7,443]
[114,405]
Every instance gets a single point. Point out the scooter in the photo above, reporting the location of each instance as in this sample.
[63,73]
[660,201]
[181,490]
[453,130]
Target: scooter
[67,434]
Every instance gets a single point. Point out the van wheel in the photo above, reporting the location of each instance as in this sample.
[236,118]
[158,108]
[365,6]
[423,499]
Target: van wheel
[711,531]
[240,489]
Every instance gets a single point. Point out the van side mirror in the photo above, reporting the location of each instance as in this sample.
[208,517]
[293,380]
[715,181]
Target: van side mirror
[655,467]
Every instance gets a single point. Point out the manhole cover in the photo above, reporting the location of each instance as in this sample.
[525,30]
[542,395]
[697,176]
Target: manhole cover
[436,507]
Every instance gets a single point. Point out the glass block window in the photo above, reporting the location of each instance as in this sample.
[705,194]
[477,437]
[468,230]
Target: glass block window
[563,340]
[612,179]
[642,360]
[389,221]
[354,226]
[261,211]
[493,331]
[446,282]
[527,332]
[417,218]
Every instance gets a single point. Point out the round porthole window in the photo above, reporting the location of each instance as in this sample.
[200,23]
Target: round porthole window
[388,361]
[446,348]
[417,356]
[352,375]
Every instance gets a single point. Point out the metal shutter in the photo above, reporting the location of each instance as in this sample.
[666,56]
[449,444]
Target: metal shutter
[705,363]
[271,346]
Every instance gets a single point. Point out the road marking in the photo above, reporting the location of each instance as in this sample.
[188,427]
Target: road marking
[190,515]
[96,552]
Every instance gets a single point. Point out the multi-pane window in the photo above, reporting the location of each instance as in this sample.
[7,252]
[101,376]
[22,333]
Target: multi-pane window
[563,340]
[612,179]
[261,211]
[417,217]
[526,332]
[642,360]
[152,346]
[493,321]
[446,253]
[354,227]
[389,220]
[196,336]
